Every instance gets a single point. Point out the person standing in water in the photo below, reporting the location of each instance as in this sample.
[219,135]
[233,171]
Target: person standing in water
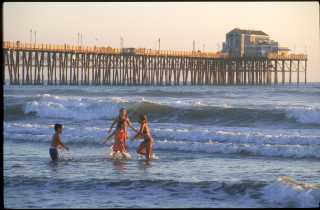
[146,147]
[56,143]
[122,123]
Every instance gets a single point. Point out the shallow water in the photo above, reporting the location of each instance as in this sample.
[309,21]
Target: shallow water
[218,147]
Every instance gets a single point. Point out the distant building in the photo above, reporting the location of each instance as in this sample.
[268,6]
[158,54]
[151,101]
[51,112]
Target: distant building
[250,43]
[128,51]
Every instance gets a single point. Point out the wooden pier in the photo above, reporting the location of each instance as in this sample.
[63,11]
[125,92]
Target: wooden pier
[45,64]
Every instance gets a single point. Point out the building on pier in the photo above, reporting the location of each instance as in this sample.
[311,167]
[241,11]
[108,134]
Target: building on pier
[250,43]
[128,51]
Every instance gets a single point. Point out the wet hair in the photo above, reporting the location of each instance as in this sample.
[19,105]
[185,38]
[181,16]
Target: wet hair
[57,126]
[143,117]
[123,110]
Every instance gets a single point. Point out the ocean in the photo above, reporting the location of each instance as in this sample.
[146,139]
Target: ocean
[217,146]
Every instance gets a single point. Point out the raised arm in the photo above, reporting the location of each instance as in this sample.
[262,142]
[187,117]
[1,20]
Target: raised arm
[113,123]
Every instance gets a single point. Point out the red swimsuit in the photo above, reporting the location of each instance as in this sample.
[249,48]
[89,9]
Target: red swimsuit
[120,140]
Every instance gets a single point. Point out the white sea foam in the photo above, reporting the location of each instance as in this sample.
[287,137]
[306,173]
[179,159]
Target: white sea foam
[65,155]
[225,145]
[286,192]
[73,107]
[182,132]
[241,135]
[91,108]
[305,114]
[294,151]
[117,155]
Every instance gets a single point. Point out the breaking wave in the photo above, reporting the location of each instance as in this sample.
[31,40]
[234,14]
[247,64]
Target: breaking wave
[86,108]
[283,192]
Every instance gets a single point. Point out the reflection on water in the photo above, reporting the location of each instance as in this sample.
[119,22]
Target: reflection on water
[55,166]
[144,164]
[119,165]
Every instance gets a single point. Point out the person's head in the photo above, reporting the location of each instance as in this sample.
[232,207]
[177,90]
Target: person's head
[123,112]
[143,118]
[58,128]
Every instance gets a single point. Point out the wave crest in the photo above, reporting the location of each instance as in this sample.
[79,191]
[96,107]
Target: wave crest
[283,192]
[92,108]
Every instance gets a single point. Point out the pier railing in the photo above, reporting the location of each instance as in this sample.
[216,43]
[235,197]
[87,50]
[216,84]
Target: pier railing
[287,57]
[108,50]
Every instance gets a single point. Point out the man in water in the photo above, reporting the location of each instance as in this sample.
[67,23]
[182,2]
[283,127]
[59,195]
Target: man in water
[56,143]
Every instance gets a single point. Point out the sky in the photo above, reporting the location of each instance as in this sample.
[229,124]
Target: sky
[293,24]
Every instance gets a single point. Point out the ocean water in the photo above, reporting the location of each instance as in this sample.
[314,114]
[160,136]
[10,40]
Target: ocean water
[216,147]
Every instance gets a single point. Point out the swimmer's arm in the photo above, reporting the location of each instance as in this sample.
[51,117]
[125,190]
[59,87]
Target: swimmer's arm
[142,126]
[113,123]
[60,143]
[108,137]
[136,136]
[139,132]
[112,134]
[130,125]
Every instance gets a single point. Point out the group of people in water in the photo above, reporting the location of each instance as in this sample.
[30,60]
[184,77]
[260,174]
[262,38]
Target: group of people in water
[120,135]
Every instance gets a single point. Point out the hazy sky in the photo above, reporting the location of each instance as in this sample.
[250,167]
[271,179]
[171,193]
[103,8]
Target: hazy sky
[293,24]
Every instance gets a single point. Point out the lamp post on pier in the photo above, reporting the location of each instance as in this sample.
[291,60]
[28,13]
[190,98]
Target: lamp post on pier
[35,37]
[121,42]
[30,36]
[159,44]
[194,46]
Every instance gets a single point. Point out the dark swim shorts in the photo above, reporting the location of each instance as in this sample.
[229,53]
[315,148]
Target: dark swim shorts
[53,154]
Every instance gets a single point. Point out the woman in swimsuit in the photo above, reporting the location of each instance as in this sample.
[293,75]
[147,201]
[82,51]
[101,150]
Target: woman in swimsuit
[121,132]
[146,147]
